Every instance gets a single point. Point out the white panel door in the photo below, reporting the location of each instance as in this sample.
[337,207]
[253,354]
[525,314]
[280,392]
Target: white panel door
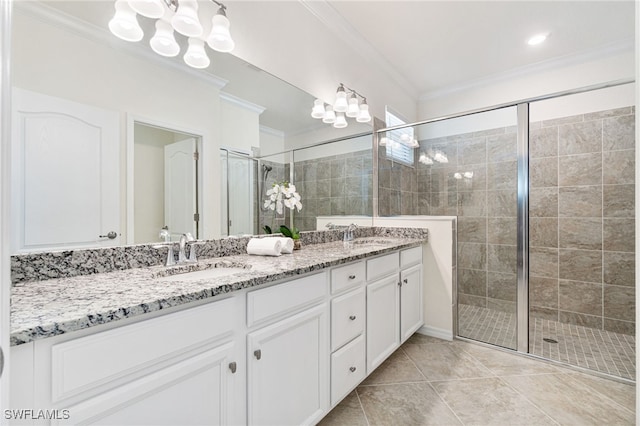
[180,187]
[383,320]
[65,174]
[289,370]
[411,315]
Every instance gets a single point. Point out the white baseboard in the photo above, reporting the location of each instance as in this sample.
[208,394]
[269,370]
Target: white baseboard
[436,332]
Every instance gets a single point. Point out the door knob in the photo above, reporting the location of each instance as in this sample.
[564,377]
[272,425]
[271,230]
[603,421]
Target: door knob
[257,353]
[111,235]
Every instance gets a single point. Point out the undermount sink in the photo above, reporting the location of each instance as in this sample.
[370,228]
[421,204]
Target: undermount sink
[371,242]
[196,272]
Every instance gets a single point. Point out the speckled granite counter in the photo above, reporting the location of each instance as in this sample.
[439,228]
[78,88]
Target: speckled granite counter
[41,309]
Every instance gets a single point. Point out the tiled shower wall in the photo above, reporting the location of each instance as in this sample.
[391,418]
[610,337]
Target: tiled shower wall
[581,226]
[485,203]
[333,185]
[581,216]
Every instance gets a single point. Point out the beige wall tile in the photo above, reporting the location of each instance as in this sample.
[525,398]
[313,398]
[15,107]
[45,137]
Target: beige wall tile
[619,268]
[619,302]
[543,292]
[619,201]
[543,202]
[543,232]
[618,234]
[581,297]
[580,201]
[580,265]
[583,169]
[582,233]
[580,138]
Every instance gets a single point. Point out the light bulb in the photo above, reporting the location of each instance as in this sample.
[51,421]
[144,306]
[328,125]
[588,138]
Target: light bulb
[220,38]
[457,175]
[185,21]
[329,115]
[341,104]
[163,42]
[124,23]
[318,109]
[149,8]
[353,109]
[195,56]
[363,114]
[341,122]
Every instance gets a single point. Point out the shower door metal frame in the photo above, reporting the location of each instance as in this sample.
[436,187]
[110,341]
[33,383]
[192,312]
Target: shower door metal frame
[522,106]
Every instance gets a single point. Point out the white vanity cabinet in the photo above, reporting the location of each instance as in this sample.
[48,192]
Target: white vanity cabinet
[394,302]
[179,368]
[287,378]
[282,353]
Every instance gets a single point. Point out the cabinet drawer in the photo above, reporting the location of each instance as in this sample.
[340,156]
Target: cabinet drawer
[347,317]
[88,362]
[410,257]
[382,266]
[346,277]
[347,369]
[279,299]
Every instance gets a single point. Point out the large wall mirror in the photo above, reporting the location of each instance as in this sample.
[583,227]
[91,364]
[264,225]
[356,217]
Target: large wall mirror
[79,96]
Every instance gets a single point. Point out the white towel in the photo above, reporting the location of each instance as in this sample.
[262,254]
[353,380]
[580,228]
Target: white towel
[264,246]
[287,245]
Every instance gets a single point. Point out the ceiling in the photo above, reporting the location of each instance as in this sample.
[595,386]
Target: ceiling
[429,46]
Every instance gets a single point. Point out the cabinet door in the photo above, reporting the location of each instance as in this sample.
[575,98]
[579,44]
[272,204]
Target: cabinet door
[288,370]
[410,301]
[383,326]
[195,391]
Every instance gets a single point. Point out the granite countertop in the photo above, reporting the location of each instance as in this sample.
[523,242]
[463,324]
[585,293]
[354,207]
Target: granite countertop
[41,309]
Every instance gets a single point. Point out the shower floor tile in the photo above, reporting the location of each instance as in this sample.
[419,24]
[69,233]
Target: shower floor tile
[598,350]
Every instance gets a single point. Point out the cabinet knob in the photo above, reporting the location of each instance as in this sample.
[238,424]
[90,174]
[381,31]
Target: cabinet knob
[257,353]
[352,369]
[405,281]
[352,277]
[233,367]
[352,317]
[400,283]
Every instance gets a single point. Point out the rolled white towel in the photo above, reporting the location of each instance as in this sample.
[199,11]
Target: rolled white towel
[264,246]
[287,245]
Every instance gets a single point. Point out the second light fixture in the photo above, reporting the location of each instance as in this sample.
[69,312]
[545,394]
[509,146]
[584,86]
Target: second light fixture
[343,107]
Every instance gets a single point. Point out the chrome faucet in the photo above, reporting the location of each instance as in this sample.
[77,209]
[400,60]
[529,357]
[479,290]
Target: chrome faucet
[182,255]
[348,233]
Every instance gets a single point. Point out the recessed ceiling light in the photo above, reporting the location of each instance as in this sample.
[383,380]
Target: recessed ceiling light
[537,39]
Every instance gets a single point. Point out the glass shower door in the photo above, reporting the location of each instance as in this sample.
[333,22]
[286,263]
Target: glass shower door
[467,167]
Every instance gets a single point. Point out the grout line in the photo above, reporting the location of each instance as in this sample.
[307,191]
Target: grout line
[362,407]
[446,403]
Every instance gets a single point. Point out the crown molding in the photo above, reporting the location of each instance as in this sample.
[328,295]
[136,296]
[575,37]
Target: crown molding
[271,131]
[548,65]
[94,33]
[229,98]
[336,23]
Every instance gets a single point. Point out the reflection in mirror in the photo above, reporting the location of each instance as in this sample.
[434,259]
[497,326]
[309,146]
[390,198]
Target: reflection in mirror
[165,191]
[238,192]
[232,104]
[334,179]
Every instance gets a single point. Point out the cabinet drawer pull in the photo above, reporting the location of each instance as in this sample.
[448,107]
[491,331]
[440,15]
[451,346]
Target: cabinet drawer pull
[405,281]
[352,277]
[352,317]
[352,369]
[257,353]
[233,367]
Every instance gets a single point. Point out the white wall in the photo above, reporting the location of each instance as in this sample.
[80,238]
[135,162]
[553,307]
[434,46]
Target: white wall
[240,123]
[288,40]
[489,93]
[337,148]
[57,62]
[271,141]
[149,182]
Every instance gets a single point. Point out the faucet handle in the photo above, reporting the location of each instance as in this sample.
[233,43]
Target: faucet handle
[170,257]
[192,249]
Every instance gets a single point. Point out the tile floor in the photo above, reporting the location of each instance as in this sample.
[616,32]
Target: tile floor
[598,350]
[432,381]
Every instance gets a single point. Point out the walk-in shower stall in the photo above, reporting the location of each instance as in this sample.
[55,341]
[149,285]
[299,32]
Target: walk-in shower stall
[543,192]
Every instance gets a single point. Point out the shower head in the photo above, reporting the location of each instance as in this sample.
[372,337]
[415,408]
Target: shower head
[267,168]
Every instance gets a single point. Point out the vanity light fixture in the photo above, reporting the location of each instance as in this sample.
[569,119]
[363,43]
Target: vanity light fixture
[344,106]
[180,16]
